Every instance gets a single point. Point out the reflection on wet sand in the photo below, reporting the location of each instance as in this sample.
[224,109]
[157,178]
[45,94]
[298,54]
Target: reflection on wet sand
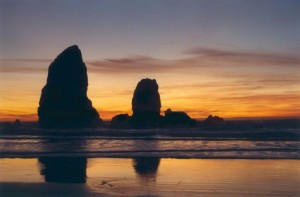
[150,177]
[146,166]
[63,169]
[73,169]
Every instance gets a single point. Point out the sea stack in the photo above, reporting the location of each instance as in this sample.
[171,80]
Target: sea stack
[146,104]
[64,101]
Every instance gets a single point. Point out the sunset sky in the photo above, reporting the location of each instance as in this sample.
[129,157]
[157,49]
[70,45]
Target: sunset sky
[231,58]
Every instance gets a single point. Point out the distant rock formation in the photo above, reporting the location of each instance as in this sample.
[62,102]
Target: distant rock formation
[178,118]
[120,121]
[17,123]
[213,120]
[146,104]
[64,101]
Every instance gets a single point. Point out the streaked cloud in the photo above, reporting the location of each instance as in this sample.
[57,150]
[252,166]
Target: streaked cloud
[23,116]
[24,65]
[28,60]
[244,56]
[198,58]
[134,64]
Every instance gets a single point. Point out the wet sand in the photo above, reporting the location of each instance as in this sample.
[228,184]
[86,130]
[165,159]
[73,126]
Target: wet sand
[153,177]
[46,190]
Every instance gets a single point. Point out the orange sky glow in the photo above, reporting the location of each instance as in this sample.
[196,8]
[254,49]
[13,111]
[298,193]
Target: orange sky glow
[230,86]
[234,59]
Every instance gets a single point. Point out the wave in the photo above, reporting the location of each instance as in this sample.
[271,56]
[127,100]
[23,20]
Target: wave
[290,135]
[179,143]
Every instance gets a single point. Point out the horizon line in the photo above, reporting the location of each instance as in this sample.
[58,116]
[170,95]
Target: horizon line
[197,119]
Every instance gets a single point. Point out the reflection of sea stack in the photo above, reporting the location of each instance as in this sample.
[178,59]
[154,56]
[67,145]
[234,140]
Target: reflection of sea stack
[146,104]
[146,165]
[64,100]
[64,169]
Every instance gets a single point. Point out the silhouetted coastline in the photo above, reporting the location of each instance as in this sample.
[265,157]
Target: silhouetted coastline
[64,107]
[146,105]
[64,102]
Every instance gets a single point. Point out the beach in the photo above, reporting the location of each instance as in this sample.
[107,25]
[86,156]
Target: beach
[172,177]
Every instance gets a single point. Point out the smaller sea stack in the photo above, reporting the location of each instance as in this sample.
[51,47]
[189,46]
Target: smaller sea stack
[146,104]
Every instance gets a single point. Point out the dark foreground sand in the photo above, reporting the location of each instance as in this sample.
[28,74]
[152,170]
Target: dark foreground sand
[46,190]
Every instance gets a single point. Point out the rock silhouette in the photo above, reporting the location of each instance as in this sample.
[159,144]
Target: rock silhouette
[146,104]
[178,118]
[17,123]
[120,121]
[64,101]
[213,120]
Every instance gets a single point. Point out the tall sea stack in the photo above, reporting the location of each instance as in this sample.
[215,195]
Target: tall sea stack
[146,104]
[64,101]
